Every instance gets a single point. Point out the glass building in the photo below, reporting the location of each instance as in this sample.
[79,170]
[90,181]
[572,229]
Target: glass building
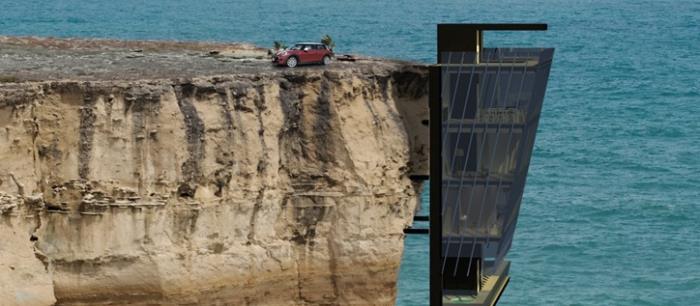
[485,107]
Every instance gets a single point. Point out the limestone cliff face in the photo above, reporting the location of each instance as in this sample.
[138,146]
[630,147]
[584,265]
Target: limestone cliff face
[283,188]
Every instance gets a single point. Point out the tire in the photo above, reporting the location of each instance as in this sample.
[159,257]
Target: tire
[326,60]
[292,62]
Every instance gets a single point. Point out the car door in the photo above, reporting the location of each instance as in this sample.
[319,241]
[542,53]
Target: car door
[318,53]
[307,54]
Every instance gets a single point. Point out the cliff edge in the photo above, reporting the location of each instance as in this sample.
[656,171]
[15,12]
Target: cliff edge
[197,173]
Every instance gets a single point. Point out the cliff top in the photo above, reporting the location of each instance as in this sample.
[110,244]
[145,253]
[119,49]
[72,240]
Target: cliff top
[41,59]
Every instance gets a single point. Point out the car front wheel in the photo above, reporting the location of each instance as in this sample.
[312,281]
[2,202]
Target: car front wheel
[326,60]
[292,62]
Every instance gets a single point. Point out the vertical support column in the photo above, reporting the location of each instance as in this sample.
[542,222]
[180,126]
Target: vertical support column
[435,103]
[458,38]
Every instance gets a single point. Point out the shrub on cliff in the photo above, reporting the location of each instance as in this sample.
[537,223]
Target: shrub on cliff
[278,45]
[328,41]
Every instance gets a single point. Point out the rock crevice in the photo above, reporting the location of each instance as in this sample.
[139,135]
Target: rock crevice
[211,190]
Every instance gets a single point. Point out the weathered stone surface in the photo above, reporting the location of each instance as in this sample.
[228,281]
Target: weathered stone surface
[276,188]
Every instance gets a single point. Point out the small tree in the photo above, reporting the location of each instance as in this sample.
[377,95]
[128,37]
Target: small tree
[278,45]
[328,41]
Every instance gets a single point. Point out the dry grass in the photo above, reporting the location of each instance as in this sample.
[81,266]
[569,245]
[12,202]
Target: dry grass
[7,79]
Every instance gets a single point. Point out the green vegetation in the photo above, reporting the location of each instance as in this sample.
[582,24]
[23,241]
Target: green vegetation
[278,45]
[7,79]
[328,41]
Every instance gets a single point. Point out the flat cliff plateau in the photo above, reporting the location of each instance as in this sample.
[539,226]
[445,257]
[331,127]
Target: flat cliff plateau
[183,173]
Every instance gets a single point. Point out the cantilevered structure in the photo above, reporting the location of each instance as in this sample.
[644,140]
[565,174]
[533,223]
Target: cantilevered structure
[484,109]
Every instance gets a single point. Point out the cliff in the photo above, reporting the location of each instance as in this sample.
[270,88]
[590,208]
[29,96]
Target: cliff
[223,183]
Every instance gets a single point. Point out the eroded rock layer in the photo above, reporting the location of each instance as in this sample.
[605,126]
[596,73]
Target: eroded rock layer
[283,188]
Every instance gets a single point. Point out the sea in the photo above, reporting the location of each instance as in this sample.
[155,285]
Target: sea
[611,210]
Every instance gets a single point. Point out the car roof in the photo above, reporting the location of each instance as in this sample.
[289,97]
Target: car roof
[308,43]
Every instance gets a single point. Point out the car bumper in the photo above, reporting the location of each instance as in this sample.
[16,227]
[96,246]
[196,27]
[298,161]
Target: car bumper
[279,60]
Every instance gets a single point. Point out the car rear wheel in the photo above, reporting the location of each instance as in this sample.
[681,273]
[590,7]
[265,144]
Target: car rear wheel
[326,60]
[292,62]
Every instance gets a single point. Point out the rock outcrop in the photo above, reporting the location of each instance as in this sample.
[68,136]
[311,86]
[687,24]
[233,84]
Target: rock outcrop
[277,188]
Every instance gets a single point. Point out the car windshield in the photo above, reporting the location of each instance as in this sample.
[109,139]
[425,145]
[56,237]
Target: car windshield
[296,47]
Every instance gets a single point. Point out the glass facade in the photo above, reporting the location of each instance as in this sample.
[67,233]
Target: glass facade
[490,105]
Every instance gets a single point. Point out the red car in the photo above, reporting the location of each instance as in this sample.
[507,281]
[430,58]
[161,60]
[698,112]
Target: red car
[304,53]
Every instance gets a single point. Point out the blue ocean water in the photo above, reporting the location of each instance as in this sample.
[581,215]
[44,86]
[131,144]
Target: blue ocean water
[611,211]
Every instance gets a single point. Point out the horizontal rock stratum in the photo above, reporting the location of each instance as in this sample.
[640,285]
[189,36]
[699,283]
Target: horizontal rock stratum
[198,174]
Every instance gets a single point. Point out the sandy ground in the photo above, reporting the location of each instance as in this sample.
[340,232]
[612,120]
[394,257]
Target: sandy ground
[38,59]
